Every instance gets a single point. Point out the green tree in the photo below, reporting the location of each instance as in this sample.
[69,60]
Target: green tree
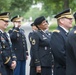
[34,12]
[4,5]
[54,6]
[15,6]
[20,6]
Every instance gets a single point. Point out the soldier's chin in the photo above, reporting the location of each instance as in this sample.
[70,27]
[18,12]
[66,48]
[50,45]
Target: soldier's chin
[5,27]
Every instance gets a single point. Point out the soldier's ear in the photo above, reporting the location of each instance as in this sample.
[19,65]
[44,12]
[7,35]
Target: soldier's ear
[62,20]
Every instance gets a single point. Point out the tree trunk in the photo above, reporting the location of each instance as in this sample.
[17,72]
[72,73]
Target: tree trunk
[66,4]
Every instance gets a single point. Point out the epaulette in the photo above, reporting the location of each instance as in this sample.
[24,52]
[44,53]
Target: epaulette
[75,31]
[15,30]
[56,31]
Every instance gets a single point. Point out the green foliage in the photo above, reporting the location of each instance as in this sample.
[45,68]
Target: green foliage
[15,6]
[20,6]
[5,5]
[50,7]
[55,6]
[52,27]
[34,12]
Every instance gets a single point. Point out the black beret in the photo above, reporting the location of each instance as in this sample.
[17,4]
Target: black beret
[39,20]
[66,13]
[16,18]
[74,15]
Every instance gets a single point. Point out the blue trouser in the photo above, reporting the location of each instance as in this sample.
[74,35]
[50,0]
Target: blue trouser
[20,68]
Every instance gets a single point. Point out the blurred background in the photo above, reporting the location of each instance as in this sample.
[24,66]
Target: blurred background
[30,9]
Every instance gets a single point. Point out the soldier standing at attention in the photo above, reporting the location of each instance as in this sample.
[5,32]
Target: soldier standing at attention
[6,52]
[41,57]
[19,45]
[71,51]
[58,41]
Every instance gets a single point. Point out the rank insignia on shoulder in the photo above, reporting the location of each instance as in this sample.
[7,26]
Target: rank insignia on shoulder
[15,30]
[56,31]
[33,42]
[75,31]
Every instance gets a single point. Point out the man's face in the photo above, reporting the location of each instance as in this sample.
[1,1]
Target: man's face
[67,22]
[3,24]
[17,23]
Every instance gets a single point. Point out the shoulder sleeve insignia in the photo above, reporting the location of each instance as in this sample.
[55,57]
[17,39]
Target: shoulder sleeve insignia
[33,42]
[75,31]
[56,31]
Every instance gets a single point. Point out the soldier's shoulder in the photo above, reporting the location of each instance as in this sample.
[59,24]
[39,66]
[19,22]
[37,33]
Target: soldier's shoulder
[10,30]
[21,29]
[56,30]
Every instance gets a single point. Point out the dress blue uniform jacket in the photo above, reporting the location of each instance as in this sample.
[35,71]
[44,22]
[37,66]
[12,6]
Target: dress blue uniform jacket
[58,44]
[40,49]
[7,53]
[71,53]
[19,43]
[2,67]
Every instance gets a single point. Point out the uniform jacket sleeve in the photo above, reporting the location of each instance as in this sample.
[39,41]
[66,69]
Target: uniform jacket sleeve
[71,43]
[6,51]
[35,46]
